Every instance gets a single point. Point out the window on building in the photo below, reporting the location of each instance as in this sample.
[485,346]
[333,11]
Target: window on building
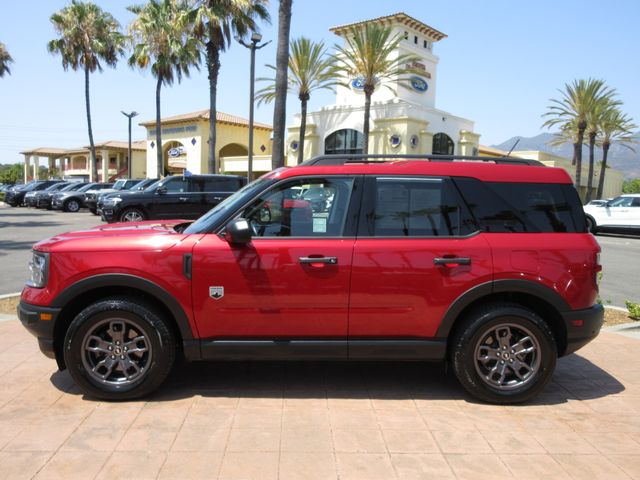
[442,144]
[406,35]
[415,39]
[425,44]
[343,141]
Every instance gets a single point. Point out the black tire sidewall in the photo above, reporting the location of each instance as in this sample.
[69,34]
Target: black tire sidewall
[155,329]
[467,338]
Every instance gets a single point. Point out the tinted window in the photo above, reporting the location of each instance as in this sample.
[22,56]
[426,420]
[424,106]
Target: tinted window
[176,184]
[314,207]
[219,184]
[415,207]
[523,207]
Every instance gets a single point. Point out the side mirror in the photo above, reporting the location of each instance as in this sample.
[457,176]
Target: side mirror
[238,232]
[161,190]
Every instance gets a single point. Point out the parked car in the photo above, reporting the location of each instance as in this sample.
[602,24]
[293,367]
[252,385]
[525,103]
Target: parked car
[143,185]
[15,196]
[621,214]
[44,198]
[185,197]
[72,200]
[31,198]
[486,265]
[91,198]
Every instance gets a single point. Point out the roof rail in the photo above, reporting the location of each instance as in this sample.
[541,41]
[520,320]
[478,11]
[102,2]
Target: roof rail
[342,159]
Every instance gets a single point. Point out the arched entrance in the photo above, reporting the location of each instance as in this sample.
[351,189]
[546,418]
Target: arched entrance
[174,156]
[343,141]
[442,144]
[234,150]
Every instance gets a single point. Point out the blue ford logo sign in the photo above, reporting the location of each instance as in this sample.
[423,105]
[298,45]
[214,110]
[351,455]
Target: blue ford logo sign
[176,152]
[419,84]
[357,83]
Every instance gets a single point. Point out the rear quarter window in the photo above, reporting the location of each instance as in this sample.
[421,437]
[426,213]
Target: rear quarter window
[523,207]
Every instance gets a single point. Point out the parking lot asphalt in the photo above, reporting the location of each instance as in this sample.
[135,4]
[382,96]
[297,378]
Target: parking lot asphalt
[321,421]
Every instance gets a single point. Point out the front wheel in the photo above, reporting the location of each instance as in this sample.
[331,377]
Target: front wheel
[131,215]
[119,349]
[72,206]
[503,353]
[591,225]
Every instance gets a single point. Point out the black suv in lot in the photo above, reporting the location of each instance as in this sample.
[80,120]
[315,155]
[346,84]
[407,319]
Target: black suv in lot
[91,198]
[185,197]
[15,196]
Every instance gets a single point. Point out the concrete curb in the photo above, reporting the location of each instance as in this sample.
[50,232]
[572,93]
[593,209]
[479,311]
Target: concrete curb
[631,329]
[9,295]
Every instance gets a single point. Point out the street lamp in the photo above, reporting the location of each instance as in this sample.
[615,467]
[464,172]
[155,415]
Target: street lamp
[255,38]
[129,116]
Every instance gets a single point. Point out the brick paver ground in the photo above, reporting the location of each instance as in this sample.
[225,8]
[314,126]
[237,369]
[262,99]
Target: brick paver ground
[321,421]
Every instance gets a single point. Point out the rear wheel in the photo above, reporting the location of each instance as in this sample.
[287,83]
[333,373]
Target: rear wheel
[591,225]
[72,205]
[119,349]
[132,215]
[503,353]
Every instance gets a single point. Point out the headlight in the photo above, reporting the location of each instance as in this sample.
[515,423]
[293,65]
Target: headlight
[111,201]
[38,269]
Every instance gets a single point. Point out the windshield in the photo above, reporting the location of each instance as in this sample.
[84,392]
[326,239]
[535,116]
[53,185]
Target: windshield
[228,205]
[71,186]
[30,186]
[153,186]
[86,187]
[119,185]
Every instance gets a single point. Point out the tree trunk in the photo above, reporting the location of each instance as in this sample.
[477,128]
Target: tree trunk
[213,66]
[367,113]
[581,128]
[603,168]
[592,143]
[160,163]
[575,154]
[303,127]
[282,69]
[93,164]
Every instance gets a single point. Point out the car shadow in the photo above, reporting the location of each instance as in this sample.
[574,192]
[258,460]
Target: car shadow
[575,378]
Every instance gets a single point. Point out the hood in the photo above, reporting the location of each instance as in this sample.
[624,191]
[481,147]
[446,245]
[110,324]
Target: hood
[117,237]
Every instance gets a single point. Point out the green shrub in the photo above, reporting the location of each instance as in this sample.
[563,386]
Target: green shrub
[634,309]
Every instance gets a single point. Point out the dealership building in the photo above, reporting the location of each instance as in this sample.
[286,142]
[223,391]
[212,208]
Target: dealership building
[404,120]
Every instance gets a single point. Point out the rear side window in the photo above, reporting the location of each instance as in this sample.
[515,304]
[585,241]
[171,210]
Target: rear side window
[523,207]
[414,207]
[219,184]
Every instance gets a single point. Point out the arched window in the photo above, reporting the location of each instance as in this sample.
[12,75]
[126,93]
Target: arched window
[442,144]
[343,141]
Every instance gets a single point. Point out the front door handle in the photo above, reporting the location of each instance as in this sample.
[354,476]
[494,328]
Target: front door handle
[183,199]
[312,260]
[449,261]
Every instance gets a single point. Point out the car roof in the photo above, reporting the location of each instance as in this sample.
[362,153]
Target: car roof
[485,171]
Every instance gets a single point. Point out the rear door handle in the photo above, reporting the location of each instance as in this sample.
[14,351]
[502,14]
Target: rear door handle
[183,199]
[446,261]
[311,260]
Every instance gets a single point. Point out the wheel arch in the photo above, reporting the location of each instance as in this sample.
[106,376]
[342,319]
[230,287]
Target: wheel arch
[541,299]
[78,296]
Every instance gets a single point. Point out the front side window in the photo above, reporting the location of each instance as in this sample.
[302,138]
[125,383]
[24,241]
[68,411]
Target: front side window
[415,207]
[313,207]
[176,185]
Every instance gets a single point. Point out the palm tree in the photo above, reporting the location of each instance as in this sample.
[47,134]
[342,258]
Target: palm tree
[601,107]
[5,60]
[282,67]
[614,126]
[369,54]
[160,39]
[575,103]
[216,22]
[87,36]
[309,69]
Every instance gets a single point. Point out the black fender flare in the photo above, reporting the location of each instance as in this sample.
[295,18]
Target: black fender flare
[499,286]
[126,280]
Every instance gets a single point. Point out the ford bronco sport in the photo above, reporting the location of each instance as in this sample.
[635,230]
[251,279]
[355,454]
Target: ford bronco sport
[486,264]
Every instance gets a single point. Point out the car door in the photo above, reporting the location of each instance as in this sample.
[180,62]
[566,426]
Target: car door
[171,200]
[417,250]
[292,280]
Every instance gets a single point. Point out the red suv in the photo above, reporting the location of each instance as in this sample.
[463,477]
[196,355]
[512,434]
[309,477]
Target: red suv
[483,263]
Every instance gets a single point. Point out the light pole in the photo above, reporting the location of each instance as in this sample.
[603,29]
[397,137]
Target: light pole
[129,116]
[255,38]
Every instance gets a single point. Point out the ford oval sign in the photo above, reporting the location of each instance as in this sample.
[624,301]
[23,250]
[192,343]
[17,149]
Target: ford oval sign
[357,83]
[419,84]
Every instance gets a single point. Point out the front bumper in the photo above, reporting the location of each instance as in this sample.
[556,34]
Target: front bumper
[34,318]
[108,214]
[582,326]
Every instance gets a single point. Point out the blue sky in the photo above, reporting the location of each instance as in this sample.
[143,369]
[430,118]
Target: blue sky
[501,62]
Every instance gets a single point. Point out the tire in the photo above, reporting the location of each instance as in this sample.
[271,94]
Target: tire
[71,205]
[105,330]
[482,333]
[591,225]
[132,215]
